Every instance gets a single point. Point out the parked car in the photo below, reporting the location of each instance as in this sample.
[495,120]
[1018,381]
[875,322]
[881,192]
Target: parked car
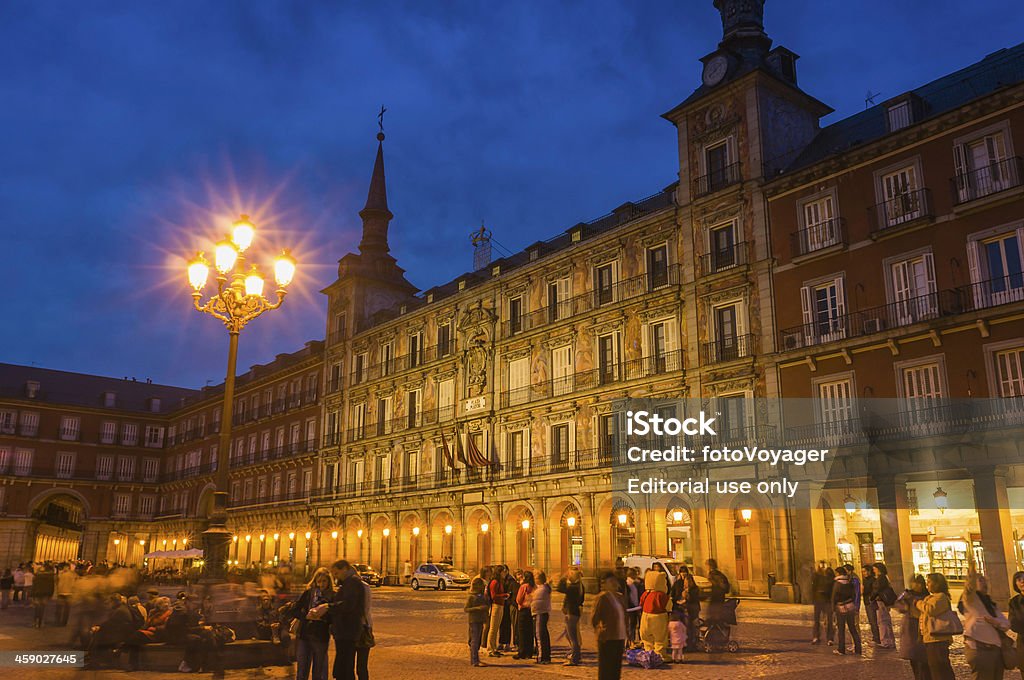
[439,576]
[671,567]
[369,575]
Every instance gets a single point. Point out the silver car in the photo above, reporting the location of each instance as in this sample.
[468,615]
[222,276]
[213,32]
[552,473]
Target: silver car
[439,576]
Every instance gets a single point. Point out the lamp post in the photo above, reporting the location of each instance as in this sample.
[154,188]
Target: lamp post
[237,301]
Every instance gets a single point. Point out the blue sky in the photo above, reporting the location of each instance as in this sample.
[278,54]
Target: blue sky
[132,132]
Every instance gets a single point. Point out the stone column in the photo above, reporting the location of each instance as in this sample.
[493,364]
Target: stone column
[993,507]
[894,516]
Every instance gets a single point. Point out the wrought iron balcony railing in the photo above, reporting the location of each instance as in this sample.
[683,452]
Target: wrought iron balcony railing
[716,180]
[818,237]
[990,179]
[902,209]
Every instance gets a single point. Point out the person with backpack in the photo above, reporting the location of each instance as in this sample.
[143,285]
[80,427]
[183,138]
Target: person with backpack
[939,623]
[846,603]
[883,595]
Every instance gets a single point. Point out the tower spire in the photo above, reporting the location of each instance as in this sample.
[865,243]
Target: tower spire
[375,213]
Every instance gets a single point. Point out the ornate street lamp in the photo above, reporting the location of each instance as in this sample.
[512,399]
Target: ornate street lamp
[237,301]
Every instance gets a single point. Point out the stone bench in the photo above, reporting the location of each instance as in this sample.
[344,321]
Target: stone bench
[239,654]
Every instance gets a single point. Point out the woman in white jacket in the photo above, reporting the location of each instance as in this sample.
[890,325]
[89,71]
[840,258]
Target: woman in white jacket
[983,625]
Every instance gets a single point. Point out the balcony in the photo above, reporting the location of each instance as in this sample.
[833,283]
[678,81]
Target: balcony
[403,363]
[716,180]
[903,209]
[992,292]
[332,439]
[727,349]
[818,237]
[875,319]
[577,305]
[718,261]
[991,179]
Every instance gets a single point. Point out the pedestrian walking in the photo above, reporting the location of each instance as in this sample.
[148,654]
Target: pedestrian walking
[938,626]
[485,576]
[632,589]
[345,613]
[312,636]
[28,577]
[911,646]
[498,596]
[571,585]
[867,586]
[66,578]
[681,612]
[609,623]
[6,586]
[883,595]
[984,628]
[821,593]
[43,585]
[524,617]
[19,582]
[654,613]
[477,611]
[540,609]
[846,598]
[1016,607]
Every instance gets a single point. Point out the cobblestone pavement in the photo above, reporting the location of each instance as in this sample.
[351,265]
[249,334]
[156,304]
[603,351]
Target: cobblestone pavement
[426,631]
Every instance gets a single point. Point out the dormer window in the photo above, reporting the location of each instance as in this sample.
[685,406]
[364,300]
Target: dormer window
[154,405]
[462,284]
[109,399]
[576,233]
[430,298]
[31,389]
[496,269]
[899,116]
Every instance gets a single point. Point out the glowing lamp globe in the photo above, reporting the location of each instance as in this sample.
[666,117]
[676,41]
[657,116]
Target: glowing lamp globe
[746,514]
[526,524]
[386,532]
[225,256]
[415,531]
[308,535]
[334,535]
[198,272]
[570,522]
[284,269]
[448,529]
[242,233]
[484,527]
[254,282]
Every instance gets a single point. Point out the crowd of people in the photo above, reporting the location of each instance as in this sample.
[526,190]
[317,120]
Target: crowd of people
[509,612]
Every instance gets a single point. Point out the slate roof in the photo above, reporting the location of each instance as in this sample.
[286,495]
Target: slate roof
[80,389]
[998,70]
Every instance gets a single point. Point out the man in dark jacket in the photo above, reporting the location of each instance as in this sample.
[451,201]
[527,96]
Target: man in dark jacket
[42,592]
[345,613]
[867,586]
[821,590]
[112,633]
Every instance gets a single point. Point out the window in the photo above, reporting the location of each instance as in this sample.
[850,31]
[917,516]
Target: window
[201,428]
[734,418]
[154,405]
[560,446]
[236,489]
[358,421]
[147,504]
[996,269]
[724,252]
[265,442]
[150,469]
[604,283]
[358,368]
[247,494]
[279,439]
[561,370]
[5,459]
[515,450]
[983,167]
[444,339]
[607,436]
[8,422]
[912,282]
[293,484]
[29,424]
[729,341]
[446,400]
[69,428]
[515,314]
[1009,373]
[717,167]
[251,447]
[310,443]
[312,383]
[307,480]
[559,292]
[519,381]
[340,325]
[122,504]
[296,437]
[899,116]
[657,267]
[261,488]
[65,468]
[415,349]
[383,416]
[275,487]
[824,311]
[922,389]
[820,227]
[104,467]
[23,462]
[664,347]
[835,407]
[413,406]
[608,358]
[387,354]
[901,199]
[154,436]
[125,468]
[109,399]
[129,434]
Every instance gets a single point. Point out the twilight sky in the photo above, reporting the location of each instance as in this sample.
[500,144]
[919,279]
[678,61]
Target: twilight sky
[132,131]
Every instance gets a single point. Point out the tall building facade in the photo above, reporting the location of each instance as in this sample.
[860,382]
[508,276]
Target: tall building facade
[874,259]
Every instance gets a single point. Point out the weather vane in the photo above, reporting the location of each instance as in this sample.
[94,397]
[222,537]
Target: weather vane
[380,118]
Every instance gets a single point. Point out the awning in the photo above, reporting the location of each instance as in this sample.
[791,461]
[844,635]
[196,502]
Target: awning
[191,553]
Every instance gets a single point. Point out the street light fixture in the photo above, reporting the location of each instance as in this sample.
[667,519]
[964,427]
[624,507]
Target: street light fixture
[237,301]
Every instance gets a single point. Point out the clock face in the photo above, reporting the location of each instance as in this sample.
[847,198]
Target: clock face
[715,70]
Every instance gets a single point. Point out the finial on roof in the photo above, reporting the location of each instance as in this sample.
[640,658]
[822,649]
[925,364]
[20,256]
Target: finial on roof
[375,213]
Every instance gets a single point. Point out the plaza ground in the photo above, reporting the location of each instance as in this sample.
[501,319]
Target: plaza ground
[426,631]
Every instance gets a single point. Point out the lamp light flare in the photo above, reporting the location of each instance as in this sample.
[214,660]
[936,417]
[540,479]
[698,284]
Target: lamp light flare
[334,535]
[448,529]
[254,282]
[746,514]
[359,533]
[308,535]
[291,535]
[198,272]
[386,532]
[677,516]
[277,536]
[623,518]
[284,268]
[242,233]
[526,525]
[415,531]
[941,499]
[570,521]
[225,256]
[484,527]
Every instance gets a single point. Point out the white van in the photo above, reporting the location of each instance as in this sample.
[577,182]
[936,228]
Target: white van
[671,567]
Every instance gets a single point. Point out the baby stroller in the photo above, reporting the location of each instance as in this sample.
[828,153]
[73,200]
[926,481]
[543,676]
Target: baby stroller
[715,632]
